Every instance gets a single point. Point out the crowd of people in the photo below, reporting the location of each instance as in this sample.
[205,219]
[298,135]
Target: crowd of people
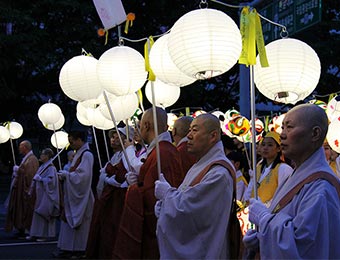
[169,195]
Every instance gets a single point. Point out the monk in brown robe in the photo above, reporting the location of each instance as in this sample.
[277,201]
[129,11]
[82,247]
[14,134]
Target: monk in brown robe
[21,204]
[136,237]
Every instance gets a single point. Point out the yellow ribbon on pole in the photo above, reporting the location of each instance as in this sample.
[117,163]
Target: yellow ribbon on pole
[147,48]
[252,38]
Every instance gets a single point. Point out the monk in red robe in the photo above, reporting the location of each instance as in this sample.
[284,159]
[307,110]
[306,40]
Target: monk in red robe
[179,134]
[136,237]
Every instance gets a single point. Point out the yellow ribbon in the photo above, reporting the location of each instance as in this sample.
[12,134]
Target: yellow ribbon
[147,48]
[252,38]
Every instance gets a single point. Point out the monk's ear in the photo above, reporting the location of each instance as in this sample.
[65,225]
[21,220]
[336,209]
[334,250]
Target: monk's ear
[214,135]
[316,133]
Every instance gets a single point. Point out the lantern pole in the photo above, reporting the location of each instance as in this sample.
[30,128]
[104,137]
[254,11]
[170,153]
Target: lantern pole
[12,151]
[96,143]
[253,130]
[115,124]
[106,147]
[156,129]
[56,143]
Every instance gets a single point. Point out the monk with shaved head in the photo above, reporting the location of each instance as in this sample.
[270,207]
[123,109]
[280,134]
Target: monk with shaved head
[202,203]
[302,221]
[136,237]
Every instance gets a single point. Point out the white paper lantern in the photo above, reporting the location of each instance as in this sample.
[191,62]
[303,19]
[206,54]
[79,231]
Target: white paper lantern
[123,107]
[163,66]
[83,119]
[333,135]
[333,108]
[57,125]
[171,120]
[4,134]
[49,113]
[204,43]
[165,95]
[121,70]
[101,122]
[59,139]
[78,78]
[15,129]
[293,72]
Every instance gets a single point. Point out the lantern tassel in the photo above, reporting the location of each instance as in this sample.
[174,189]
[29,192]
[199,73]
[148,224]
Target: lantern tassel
[147,47]
[129,22]
[252,38]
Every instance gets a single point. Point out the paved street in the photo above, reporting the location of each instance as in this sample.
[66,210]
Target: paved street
[13,248]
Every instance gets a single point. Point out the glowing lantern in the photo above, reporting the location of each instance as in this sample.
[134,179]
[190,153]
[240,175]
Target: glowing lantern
[121,70]
[123,107]
[165,95]
[197,113]
[101,122]
[59,139]
[231,113]
[171,120]
[293,72]
[57,125]
[239,125]
[319,103]
[49,113]
[333,108]
[78,78]
[333,136]
[4,134]
[15,129]
[163,66]
[277,123]
[204,43]
[83,119]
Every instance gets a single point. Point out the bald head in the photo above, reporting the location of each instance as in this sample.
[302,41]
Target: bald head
[210,123]
[147,123]
[25,147]
[304,129]
[181,128]
[310,116]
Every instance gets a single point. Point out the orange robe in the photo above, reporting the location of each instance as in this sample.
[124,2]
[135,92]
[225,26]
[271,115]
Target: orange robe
[106,216]
[187,159]
[136,237]
[21,205]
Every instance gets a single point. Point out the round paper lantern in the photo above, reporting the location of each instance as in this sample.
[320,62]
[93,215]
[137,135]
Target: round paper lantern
[15,129]
[197,113]
[171,120]
[83,119]
[49,113]
[277,123]
[333,108]
[319,103]
[239,125]
[333,136]
[121,70]
[123,107]
[165,95]
[101,122]
[4,134]
[204,43]
[163,66]
[78,78]
[59,139]
[57,125]
[293,72]
[231,113]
